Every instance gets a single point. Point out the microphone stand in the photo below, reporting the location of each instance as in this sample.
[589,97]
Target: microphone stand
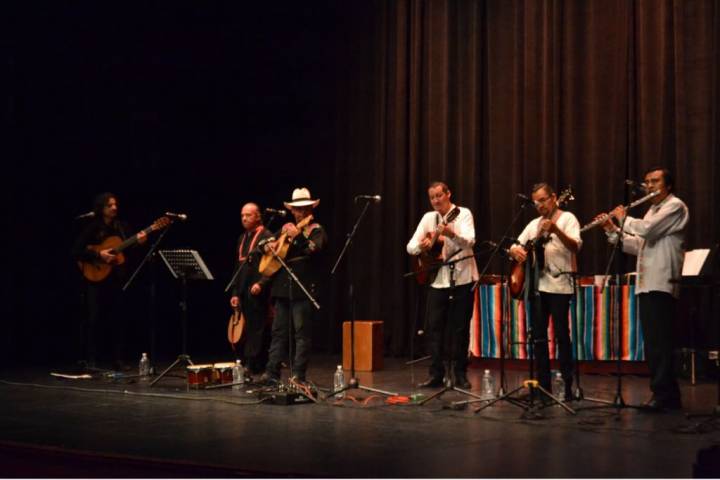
[152,307]
[353,382]
[504,307]
[618,402]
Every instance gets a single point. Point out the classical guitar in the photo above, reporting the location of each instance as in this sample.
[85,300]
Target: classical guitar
[423,266]
[98,270]
[268,264]
[236,326]
[517,270]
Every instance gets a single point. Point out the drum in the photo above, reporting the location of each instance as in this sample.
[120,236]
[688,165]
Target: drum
[222,372]
[199,376]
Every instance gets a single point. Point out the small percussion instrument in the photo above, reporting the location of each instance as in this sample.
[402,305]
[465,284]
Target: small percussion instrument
[199,376]
[222,372]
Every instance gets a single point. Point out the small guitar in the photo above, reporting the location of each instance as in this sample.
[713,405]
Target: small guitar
[268,264]
[517,270]
[423,266]
[236,326]
[97,271]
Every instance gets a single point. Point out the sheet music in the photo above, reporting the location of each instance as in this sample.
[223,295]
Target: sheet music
[694,261]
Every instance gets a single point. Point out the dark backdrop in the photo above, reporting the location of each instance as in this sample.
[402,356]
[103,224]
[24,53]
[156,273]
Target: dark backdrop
[199,107]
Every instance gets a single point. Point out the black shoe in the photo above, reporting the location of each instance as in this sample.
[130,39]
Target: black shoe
[461,381]
[657,405]
[568,397]
[268,379]
[432,382]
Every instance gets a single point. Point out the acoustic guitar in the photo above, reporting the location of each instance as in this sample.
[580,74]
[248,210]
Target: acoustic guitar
[98,270]
[268,264]
[423,266]
[517,270]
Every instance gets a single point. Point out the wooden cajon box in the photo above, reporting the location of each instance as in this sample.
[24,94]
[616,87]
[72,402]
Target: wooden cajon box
[368,345]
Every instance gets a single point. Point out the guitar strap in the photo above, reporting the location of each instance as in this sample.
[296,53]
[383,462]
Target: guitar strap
[252,243]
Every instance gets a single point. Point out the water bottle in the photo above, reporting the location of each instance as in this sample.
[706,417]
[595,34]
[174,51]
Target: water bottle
[558,385]
[339,382]
[488,385]
[238,373]
[144,368]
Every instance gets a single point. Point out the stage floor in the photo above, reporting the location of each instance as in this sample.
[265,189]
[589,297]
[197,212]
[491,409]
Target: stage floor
[100,427]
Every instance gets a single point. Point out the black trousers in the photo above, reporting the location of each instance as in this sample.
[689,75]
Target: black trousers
[302,329]
[104,328]
[657,310]
[451,315]
[556,305]
[254,347]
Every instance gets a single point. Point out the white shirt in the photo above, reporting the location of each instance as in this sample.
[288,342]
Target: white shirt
[466,270]
[657,240]
[558,258]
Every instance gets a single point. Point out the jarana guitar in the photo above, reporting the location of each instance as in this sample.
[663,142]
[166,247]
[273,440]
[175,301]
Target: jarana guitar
[423,266]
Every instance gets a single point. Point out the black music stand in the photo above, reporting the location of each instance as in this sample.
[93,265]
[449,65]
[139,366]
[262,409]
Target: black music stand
[701,269]
[184,265]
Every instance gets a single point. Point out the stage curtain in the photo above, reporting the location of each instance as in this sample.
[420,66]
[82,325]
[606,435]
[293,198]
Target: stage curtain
[494,96]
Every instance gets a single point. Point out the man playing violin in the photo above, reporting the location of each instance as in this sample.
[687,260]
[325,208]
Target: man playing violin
[251,290]
[449,300]
[105,325]
[657,240]
[306,245]
[557,232]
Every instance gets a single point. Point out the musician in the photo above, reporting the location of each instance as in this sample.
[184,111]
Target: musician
[104,329]
[304,256]
[657,240]
[251,290]
[557,232]
[450,300]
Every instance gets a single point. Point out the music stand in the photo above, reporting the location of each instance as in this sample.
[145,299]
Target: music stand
[184,265]
[701,269]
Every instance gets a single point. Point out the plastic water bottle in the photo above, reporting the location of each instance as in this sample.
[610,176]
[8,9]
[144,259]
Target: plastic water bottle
[339,381]
[558,385]
[488,385]
[238,373]
[144,368]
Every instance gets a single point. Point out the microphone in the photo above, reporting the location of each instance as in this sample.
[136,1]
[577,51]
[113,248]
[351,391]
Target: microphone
[177,216]
[640,187]
[492,244]
[85,215]
[274,211]
[372,198]
[525,199]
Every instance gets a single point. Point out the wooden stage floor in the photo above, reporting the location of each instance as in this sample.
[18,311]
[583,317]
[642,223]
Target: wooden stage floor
[118,428]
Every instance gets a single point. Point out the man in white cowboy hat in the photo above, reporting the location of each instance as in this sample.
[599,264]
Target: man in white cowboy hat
[307,239]
[450,299]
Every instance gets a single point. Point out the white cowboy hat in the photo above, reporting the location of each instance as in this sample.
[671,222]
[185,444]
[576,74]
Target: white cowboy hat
[301,198]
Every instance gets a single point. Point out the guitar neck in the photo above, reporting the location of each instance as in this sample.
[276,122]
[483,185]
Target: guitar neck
[132,240]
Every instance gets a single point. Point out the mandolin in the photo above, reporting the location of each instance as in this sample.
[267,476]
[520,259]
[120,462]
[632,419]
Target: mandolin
[268,264]
[517,270]
[236,326]
[423,266]
[98,270]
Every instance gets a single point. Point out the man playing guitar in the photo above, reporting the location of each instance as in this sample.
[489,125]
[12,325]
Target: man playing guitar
[449,298]
[556,235]
[105,326]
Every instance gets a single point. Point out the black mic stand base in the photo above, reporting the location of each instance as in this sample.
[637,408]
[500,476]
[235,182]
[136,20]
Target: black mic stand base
[354,384]
[530,406]
[182,358]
